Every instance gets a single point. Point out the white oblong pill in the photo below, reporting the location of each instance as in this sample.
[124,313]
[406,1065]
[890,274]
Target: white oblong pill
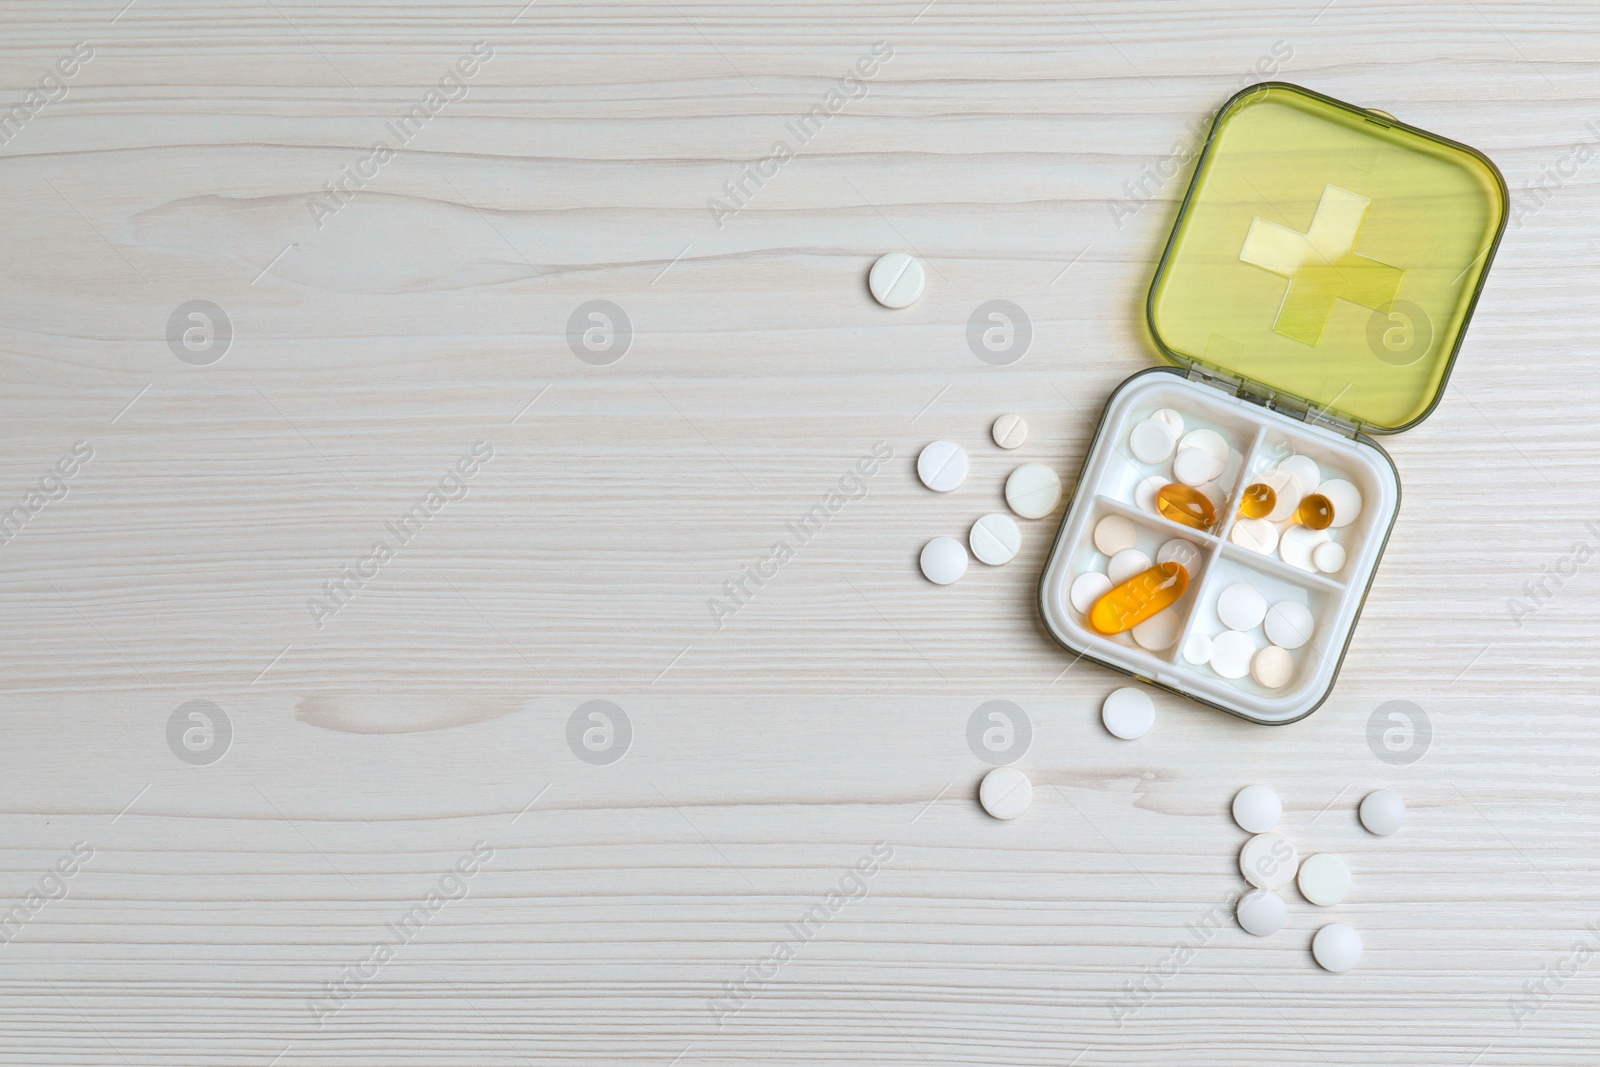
[1336,948]
[1128,713]
[1268,861]
[1171,418]
[1181,552]
[944,560]
[1114,533]
[1144,494]
[1258,535]
[1087,588]
[1302,469]
[995,538]
[1346,501]
[1261,912]
[1010,431]
[1209,441]
[1126,564]
[1159,632]
[1383,812]
[1324,879]
[896,280]
[1328,557]
[1240,607]
[1197,649]
[1231,653]
[1297,544]
[1196,466]
[1005,793]
[1033,490]
[1257,809]
[942,466]
[1289,624]
[1152,441]
[1272,667]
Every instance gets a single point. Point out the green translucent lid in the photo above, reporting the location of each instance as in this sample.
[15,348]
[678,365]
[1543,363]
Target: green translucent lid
[1329,255]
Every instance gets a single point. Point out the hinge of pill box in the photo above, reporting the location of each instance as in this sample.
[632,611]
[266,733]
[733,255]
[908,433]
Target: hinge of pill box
[1257,393]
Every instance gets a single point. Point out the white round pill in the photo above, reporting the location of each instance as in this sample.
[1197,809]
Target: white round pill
[1159,632]
[1328,557]
[1286,494]
[1240,607]
[1268,861]
[1258,535]
[1303,469]
[1197,649]
[995,538]
[1289,624]
[1231,652]
[1128,713]
[1196,466]
[1010,431]
[1257,809]
[1297,544]
[1324,879]
[944,560]
[896,280]
[1126,564]
[1346,501]
[1261,912]
[1181,552]
[1336,948]
[1033,490]
[1209,441]
[1087,588]
[1152,441]
[1272,667]
[1170,417]
[1144,494]
[1005,793]
[1114,533]
[1383,812]
[942,466]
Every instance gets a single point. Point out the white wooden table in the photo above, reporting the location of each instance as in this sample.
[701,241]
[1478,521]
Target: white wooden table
[628,912]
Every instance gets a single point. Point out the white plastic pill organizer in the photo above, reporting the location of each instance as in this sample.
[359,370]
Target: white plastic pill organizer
[1264,438]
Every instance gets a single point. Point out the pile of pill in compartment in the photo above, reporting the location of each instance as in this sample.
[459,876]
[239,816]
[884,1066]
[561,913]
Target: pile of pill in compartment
[1288,509]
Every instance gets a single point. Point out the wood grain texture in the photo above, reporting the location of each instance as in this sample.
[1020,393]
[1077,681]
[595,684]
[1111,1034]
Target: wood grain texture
[372,352]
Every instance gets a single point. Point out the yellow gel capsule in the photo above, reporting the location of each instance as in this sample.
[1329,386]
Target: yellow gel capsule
[1315,512]
[1258,501]
[1186,505]
[1135,600]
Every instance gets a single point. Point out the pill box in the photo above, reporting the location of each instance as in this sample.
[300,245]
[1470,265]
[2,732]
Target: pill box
[1312,296]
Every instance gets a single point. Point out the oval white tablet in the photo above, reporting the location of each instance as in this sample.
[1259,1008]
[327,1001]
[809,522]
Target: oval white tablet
[1268,861]
[1152,441]
[1257,809]
[942,466]
[1128,713]
[1324,879]
[995,538]
[1010,431]
[1289,624]
[1297,544]
[1346,501]
[1005,793]
[1383,812]
[1258,535]
[1033,490]
[1159,632]
[1231,653]
[1114,534]
[944,560]
[1328,557]
[1126,564]
[1171,418]
[1181,552]
[1209,441]
[1197,649]
[1144,494]
[1261,912]
[1303,469]
[1087,588]
[1196,466]
[1240,607]
[1272,667]
[896,280]
[1336,948]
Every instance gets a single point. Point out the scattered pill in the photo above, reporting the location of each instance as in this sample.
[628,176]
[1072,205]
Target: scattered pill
[1033,490]
[1258,535]
[995,538]
[1383,812]
[1209,441]
[1257,500]
[896,280]
[1268,861]
[1289,624]
[1144,494]
[1328,557]
[1152,441]
[1187,506]
[1257,809]
[1128,604]
[1178,550]
[1315,512]
[1005,793]
[1297,544]
[1304,470]
[1324,879]
[1114,534]
[1197,649]
[1261,912]
[1126,564]
[1087,588]
[1128,713]
[944,560]
[1010,431]
[1159,632]
[1171,418]
[1272,667]
[942,466]
[1231,653]
[1195,466]
[1336,948]
[1346,501]
[1287,494]
[1240,607]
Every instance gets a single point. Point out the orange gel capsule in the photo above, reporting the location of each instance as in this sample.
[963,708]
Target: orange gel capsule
[1258,501]
[1187,506]
[1315,512]
[1138,598]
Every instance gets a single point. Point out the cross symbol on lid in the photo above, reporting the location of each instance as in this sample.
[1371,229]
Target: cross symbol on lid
[1321,264]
